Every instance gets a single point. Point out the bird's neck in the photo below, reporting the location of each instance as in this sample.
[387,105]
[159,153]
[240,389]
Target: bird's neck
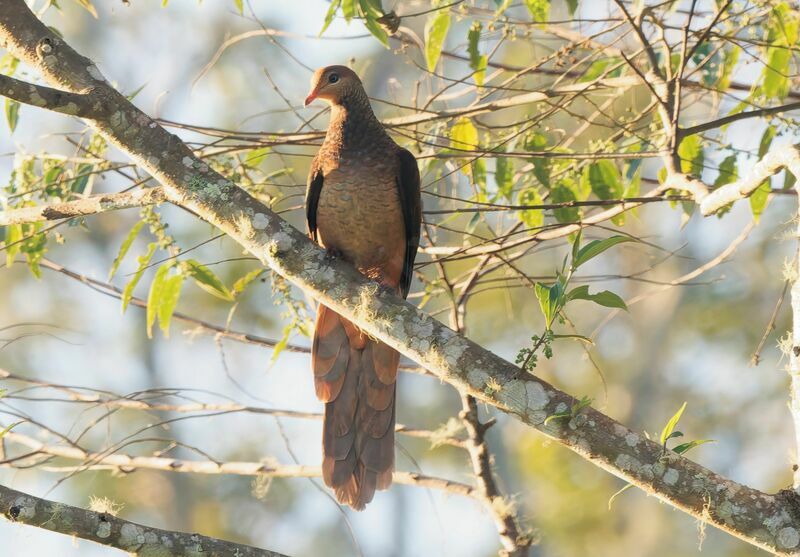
[353,125]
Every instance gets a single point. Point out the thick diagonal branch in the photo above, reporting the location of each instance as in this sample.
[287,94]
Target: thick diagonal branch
[766,521]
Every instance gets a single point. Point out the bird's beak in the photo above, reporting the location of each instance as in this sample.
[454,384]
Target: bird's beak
[310,98]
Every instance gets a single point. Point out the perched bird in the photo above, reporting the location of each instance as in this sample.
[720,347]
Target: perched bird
[363,205]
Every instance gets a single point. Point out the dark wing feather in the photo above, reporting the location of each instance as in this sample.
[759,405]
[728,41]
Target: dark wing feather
[411,202]
[313,189]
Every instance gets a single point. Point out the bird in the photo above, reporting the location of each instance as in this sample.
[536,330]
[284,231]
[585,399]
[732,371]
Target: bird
[363,205]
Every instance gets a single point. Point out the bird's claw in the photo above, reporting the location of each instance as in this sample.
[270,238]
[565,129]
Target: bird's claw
[332,254]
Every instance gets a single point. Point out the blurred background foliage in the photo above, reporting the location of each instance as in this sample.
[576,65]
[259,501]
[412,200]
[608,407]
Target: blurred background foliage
[691,342]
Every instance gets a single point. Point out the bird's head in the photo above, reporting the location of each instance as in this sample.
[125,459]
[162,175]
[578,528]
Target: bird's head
[332,84]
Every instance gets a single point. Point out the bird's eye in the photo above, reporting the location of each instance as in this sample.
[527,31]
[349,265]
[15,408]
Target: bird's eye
[333,78]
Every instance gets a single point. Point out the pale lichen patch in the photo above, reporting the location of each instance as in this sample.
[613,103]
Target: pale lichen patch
[536,395]
[788,537]
[26,506]
[632,439]
[131,535]
[627,463]
[513,394]
[104,530]
[260,221]
[671,476]
[187,162]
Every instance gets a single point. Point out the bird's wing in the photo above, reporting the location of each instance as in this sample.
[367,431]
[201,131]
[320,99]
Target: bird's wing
[411,203]
[313,189]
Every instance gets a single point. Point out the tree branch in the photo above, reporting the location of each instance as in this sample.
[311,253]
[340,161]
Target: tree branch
[83,207]
[109,530]
[64,102]
[766,521]
[126,463]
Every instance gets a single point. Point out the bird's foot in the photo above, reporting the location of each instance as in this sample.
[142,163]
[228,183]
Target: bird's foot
[332,254]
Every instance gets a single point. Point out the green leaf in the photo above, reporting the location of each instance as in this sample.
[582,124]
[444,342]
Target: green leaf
[256,157]
[596,247]
[280,346]
[539,9]
[12,114]
[562,194]
[759,199]
[330,15]
[684,447]
[775,75]
[9,428]
[242,283]
[464,135]
[533,218]
[599,67]
[154,297]
[143,261]
[766,141]
[436,28]
[551,300]
[556,416]
[606,298]
[477,61]
[537,142]
[504,177]
[239,6]
[206,279]
[690,152]
[170,293]
[348,9]
[123,249]
[371,13]
[729,60]
[727,171]
[603,178]
[670,427]
[83,174]
[12,242]
[572,6]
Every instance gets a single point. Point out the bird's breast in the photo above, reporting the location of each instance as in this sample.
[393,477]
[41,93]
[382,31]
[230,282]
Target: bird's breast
[359,215]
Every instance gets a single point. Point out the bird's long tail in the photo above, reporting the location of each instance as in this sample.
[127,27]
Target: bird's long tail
[355,377]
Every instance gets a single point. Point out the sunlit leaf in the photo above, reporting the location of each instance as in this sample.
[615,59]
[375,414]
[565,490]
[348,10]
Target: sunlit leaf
[170,293]
[766,141]
[670,427]
[154,297]
[371,13]
[539,9]
[596,247]
[606,298]
[436,28]
[12,114]
[144,261]
[759,199]
[690,152]
[206,279]
[504,176]
[727,171]
[533,218]
[464,135]
[331,13]
[562,194]
[477,61]
[239,6]
[348,9]
[684,447]
[123,249]
[241,284]
[603,178]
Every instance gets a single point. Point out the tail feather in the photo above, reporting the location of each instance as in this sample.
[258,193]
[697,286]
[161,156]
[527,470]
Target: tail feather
[356,378]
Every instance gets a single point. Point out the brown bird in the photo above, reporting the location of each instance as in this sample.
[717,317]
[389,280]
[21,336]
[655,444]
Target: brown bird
[363,205]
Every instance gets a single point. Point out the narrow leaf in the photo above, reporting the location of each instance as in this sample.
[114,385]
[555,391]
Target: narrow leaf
[154,297]
[143,261]
[436,28]
[123,249]
[673,421]
[207,280]
[596,247]
[12,114]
